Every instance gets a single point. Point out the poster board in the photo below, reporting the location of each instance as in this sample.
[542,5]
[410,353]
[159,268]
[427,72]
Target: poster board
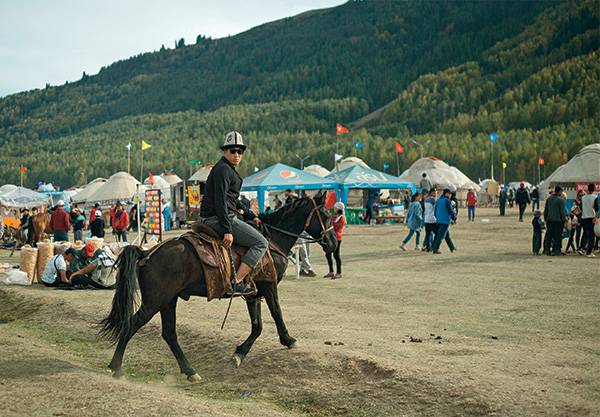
[153,221]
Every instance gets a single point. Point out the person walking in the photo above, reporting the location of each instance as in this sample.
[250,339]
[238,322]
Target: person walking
[444,215]
[415,221]
[572,222]
[97,225]
[78,224]
[535,199]
[425,183]
[588,218]
[120,223]
[59,223]
[429,218]
[554,216]
[338,222]
[471,203]
[522,199]
[502,199]
[538,227]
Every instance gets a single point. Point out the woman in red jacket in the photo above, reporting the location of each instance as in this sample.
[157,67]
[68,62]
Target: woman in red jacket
[338,222]
[120,223]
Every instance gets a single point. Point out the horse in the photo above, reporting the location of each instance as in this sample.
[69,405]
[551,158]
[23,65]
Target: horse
[174,271]
[41,227]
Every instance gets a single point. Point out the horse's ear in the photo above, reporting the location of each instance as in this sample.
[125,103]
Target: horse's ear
[320,197]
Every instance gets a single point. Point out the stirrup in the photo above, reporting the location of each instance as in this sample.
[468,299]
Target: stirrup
[240,288]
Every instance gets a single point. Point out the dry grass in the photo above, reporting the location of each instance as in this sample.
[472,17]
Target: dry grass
[502,333]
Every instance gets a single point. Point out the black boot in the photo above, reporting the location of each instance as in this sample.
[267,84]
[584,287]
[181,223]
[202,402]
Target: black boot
[240,288]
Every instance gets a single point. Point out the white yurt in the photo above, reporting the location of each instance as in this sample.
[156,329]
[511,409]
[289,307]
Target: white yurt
[202,174]
[161,184]
[582,169]
[82,196]
[119,187]
[317,170]
[349,161]
[171,177]
[7,187]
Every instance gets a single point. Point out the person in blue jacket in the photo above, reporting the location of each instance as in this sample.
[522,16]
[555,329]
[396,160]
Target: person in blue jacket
[444,215]
[415,221]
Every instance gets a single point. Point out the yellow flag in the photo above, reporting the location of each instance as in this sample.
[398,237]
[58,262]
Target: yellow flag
[503,164]
[145,145]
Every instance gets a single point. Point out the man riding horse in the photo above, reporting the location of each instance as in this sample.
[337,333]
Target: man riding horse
[221,206]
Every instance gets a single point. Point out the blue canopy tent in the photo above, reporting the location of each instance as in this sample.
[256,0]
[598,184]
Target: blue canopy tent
[283,177]
[360,177]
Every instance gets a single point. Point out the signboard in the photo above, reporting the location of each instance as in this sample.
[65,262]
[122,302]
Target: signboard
[153,221]
[582,186]
[194,196]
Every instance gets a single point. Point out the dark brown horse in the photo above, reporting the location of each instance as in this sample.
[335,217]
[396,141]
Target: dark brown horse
[175,271]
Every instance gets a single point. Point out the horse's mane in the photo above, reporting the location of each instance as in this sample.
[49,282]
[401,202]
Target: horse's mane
[279,216]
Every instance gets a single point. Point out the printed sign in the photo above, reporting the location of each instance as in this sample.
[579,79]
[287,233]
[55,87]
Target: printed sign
[582,186]
[153,221]
[194,196]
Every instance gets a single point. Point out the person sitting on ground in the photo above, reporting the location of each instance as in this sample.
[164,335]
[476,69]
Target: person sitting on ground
[92,267]
[97,225]
[55,271]
[338,222]
[538,227]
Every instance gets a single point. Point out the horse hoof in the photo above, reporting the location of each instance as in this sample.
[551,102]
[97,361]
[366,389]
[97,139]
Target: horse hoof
[117,374]
[236,360]
[194,379]
[293,345]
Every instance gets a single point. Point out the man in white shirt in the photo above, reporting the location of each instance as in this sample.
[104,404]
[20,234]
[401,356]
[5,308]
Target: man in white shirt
[55,271]
[429,218]
[588,218]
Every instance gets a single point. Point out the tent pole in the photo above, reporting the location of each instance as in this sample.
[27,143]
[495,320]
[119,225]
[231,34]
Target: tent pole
[137,198]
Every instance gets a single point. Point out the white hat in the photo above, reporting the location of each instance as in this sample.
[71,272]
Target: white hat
[60,203]
[339,206]
[232,139]
[98,213]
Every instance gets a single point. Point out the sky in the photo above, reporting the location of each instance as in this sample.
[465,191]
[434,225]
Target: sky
[53,41]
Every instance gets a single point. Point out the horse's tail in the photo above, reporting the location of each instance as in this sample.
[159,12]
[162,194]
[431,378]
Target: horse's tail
[119,321]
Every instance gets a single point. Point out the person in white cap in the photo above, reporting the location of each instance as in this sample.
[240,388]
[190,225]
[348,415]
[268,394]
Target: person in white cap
[220,206]
[338,222]
[59,223]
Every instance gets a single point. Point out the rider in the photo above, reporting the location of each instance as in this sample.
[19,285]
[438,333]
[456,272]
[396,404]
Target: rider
[220,206]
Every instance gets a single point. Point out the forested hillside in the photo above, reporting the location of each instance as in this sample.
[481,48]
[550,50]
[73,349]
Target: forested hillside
[449,72]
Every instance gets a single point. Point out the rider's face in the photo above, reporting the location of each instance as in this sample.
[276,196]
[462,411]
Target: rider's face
[233,155]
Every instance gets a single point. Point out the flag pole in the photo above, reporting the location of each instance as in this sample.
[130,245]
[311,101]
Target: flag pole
[397,165]
[21,170]
[142,165]
[492,159]
[129,159]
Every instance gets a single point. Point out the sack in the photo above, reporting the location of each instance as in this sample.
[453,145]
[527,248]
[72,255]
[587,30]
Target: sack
[45,253]
[16,277]
[28,261]
[597,228]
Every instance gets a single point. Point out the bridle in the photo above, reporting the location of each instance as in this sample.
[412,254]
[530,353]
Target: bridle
[324,230]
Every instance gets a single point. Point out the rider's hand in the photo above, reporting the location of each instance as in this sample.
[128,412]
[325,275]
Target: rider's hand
[256,220]
[227,240]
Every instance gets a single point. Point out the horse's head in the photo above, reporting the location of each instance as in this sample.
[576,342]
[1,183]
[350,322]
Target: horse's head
[318,222]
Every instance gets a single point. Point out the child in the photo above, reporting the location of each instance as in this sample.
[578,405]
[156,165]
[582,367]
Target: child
[573,222]
[338,222]
[538,226]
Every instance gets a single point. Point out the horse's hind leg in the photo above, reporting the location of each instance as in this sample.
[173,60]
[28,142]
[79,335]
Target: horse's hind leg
[169,333]
[272,300]
[242,350]
[140,318]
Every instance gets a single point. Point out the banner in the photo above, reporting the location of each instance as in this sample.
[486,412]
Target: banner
[582,186]
[194,197]
[153,221]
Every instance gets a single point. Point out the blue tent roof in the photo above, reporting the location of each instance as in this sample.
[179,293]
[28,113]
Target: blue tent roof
[282,177]
[357,176]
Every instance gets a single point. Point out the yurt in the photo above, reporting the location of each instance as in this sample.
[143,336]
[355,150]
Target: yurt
[119,187]
[349,161]
[82,196]
[317,170]
[441,175]
[202,174]
[171,177]
[7,187]
[582,169]
[161,184]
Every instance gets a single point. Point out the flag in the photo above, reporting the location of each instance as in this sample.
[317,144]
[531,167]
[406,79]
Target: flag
[23,168]
[193,162]
[503,164]
[385,166]
[337,157]
[128,146]
[340,130]
[150,177]
[541,161]
[493,137]
[358,145]
[399,148]
[256,169]
[145,145]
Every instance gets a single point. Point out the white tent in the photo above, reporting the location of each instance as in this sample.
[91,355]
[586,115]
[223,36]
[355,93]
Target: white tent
[21,197]
[88,190]
[119,187]
[317,170]
[160,184]
[171,177]
[582,168]
[202,174]
[441,175]
[349,161]
[7,187]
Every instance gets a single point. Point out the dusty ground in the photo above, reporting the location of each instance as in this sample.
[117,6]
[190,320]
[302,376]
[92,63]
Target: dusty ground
[501,333]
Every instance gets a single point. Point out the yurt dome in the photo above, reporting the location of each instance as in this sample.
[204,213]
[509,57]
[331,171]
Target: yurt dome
[202,174]
[349,161]
[171,177]
[119,187]
[440,174]
[88,190]
[317,170]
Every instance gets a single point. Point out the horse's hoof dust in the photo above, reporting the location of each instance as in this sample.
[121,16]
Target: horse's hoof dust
[194,379]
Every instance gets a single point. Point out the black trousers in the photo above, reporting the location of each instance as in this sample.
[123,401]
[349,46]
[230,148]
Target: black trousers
[553,238]
[429,236]
[85,280]
[588,239]
[537,242]
[522,208]
[338,260]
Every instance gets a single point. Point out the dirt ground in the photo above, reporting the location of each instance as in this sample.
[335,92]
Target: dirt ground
[488,330]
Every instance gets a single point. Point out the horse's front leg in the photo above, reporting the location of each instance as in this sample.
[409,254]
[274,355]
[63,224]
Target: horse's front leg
[254,312]
[272,300]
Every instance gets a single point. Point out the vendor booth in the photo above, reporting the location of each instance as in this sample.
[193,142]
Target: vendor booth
[283,177]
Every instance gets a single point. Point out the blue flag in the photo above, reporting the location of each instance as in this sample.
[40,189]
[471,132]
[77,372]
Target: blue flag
[385,166]
[493,137]
[358,145]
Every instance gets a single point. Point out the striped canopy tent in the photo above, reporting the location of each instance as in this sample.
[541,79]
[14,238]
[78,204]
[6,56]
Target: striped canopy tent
[283,177]
[360,177]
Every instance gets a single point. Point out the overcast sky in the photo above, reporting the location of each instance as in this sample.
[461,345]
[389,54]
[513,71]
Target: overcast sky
[52,41]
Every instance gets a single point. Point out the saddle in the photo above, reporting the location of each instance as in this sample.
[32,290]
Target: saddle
[216,262]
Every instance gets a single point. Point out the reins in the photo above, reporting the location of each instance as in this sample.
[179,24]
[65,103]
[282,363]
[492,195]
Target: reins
[315,209]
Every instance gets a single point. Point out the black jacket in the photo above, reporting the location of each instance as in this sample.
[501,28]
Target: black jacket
[522,196]
[221,194]
[97,227]
[554,210]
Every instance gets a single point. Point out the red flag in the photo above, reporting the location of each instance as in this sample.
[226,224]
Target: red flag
[150,177]
[399,148]
[23,168]
[340,130]
[541,161]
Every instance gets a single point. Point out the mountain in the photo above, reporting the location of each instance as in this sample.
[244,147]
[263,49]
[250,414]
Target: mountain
[447,72]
